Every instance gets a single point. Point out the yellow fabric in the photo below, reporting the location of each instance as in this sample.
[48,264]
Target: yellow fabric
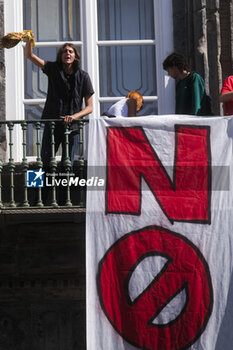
[12,39]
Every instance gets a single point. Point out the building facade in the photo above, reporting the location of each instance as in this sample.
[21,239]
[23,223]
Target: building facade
[122,44]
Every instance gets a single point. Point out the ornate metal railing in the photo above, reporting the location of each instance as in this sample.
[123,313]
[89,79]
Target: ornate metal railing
[14,175]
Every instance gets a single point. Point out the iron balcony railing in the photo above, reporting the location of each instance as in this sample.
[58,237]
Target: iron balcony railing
[14,189]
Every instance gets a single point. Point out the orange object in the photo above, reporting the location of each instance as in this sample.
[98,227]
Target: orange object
[12,39]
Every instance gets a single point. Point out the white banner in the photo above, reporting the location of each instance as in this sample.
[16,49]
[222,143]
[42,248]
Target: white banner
[158,232]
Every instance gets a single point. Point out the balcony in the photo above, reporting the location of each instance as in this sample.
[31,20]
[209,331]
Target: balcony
[42,244]
[16,192]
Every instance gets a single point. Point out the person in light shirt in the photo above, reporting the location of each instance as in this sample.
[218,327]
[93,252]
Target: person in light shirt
[127,106]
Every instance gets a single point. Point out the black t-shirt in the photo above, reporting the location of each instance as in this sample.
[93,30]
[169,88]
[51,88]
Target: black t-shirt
[65,93]
[69,81]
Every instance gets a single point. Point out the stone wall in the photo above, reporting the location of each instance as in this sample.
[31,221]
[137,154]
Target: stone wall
[203,32]
[226,26]
[2,86]
[42,280]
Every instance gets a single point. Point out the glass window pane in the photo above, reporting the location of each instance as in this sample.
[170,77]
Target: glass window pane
[149,108]
[125,19]
[36,82]
[33,112]
[53,20]
[126,68]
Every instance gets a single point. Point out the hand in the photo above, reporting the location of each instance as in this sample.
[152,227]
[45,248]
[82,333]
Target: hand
[28,35]
[68,119]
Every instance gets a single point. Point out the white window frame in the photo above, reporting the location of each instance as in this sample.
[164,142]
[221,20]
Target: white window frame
[14,72]
[14,60]
[164,47]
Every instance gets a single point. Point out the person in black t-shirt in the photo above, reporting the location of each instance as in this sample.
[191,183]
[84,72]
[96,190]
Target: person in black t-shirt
[68,86]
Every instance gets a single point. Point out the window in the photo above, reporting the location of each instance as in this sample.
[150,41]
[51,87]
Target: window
[53,23]
[122,45]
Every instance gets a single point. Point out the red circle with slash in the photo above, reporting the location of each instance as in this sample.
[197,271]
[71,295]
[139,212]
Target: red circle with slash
[186,269]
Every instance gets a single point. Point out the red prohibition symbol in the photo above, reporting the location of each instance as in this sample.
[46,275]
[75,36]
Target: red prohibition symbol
[186,269]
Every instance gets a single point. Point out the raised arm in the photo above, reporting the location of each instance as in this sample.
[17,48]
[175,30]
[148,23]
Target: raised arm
[31,56]
[132,107]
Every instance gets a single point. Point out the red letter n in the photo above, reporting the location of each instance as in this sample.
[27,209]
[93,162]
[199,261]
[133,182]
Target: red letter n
[130,157]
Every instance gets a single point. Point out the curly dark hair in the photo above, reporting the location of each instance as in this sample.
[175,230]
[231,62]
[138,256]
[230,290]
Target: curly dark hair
[176,60]
[77,54]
